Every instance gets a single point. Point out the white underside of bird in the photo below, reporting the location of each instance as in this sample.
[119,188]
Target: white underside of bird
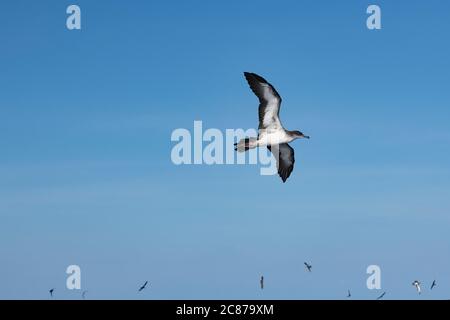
[417,285]
[265,138]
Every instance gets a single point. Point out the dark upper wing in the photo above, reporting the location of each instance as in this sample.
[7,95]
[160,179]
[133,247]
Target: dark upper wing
[285,160]
[143,286]
[381,296]
[269,101]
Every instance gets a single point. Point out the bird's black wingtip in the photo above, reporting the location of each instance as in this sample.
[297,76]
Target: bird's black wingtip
[253,75]
[248,75]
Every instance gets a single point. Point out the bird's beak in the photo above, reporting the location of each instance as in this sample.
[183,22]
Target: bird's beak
[306,137]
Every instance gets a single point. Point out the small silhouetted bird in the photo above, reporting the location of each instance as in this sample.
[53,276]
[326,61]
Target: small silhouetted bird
[143,286]
[261,282]
[308,266]
[433,285]
[381,296]
[51,292]
[417,285]
[349,294]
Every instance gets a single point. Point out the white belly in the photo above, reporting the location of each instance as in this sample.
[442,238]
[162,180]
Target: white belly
[269,138]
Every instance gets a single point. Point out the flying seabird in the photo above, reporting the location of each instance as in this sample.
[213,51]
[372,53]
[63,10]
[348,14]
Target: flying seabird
[433,285]
[51,292]
[349,294]
[417,285]
[143,286]
[261,282]
[270,130]
[308,266]
[381,296]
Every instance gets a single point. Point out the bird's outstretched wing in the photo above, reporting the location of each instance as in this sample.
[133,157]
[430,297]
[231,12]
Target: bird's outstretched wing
[143,286]
[381,296]
[433,284]
[285,159]
[269,101]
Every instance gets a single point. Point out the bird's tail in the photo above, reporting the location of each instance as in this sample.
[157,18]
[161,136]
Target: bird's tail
[245,144]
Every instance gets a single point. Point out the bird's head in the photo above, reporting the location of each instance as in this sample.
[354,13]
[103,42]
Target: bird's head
[299,135]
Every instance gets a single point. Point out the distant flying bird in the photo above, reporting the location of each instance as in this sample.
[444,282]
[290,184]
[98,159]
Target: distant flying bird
[417,285]
[83,295]
[381,296]
[349,294]
[261,282]
[51,292]
[271,132]
[143,286]
[308,266]
[433,285]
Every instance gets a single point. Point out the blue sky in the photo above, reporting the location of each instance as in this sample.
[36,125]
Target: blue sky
[86,176]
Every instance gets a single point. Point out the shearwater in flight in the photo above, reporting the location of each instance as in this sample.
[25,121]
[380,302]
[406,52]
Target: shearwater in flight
[433,285]
[271,132]
[143,286]
[417,285]
[308,266]
[381,296]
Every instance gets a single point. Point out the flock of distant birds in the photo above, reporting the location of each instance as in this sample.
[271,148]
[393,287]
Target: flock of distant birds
[272,133]
[83,294]
[349,294]
[308,267]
